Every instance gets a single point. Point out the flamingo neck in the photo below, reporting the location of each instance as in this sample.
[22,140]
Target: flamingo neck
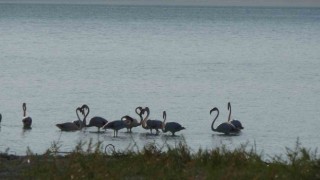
[85,117]
[24,109]
[140,115]
[80,122]
[139,112]
[229,107]
[164,120]
[212,125]
[144,122]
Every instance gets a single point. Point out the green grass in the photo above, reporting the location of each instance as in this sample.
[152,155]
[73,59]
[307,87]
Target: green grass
[91,161]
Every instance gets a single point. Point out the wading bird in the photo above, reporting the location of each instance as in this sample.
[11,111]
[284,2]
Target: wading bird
[134,122]
[117,125]
[26,120]
[234,122]
[96,121]
[151,124]
[226,127]
[72,126]
[170,126]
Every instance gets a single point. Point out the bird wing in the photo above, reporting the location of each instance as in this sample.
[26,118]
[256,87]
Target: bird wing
[224,128]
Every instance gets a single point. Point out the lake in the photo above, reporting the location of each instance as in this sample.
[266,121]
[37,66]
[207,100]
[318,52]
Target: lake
[184,60]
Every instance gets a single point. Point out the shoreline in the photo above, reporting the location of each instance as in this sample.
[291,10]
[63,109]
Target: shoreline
[177,162]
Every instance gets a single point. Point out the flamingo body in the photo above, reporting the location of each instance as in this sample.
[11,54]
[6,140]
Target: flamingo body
[226,128]
[98,122]
[68,126]
[173,127]
[27,122]
[154,124]
[134,123]
[237,124]
[115,126]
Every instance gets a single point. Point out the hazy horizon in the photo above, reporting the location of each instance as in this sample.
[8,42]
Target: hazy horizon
[263,3]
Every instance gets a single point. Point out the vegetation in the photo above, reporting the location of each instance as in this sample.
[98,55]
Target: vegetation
[92,161]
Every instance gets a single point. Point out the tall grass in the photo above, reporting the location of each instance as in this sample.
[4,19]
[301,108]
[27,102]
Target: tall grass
[92,161]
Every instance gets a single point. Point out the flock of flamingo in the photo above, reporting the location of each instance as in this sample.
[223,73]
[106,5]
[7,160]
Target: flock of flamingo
[229,127]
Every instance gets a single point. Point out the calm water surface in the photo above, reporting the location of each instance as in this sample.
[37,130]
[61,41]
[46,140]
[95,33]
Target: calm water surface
[185,60]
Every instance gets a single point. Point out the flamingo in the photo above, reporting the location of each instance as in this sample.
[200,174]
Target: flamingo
[117,125]
[71,126]
[151,124]
[234,122]
[96,121]
[135,122]
[170,126]
[26,120]
[226,127]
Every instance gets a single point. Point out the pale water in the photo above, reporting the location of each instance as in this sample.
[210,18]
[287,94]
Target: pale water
[185,60]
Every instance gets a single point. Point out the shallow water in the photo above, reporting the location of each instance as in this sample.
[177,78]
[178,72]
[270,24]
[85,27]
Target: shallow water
[185,60]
